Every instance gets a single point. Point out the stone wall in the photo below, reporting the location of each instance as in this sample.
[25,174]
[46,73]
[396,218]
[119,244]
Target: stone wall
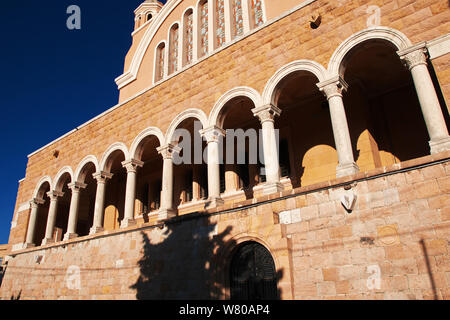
[321,251]
[250,62]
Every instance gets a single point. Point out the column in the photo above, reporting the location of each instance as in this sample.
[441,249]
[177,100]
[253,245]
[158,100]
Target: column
[333,89]
[167,211]
[416,60]
[228,20]
[212,29]
[51,219]
[130,194]
[34,204]
[195,30]
[73,212]
[246,15]
[101,178]
[212,136]
[196,183]
[266,115]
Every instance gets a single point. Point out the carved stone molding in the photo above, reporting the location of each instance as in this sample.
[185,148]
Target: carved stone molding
[102,176]
[333,87]
[132,165]
[414,56]
[168,151]
[266,113]
[212,134]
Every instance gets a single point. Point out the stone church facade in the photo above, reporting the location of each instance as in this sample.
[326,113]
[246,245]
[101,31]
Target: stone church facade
[356,205]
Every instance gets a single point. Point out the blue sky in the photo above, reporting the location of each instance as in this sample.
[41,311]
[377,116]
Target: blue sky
[54,79]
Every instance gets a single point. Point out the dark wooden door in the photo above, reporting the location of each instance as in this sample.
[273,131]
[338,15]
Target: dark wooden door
[253,275]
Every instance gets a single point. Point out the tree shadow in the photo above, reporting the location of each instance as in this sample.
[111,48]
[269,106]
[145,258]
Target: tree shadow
[16,297]
[185,259]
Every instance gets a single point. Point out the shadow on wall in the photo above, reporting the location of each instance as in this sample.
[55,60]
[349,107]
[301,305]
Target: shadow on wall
[185,260]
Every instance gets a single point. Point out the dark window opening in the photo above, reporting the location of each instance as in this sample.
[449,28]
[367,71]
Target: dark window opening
[285,166]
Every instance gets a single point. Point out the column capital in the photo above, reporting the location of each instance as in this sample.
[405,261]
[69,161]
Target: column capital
[54,195]
[102,176]
[77,186]
[266,113]
[414,56]
[212,134]
[333,87]
[34,203]
[132,165]
[168,151]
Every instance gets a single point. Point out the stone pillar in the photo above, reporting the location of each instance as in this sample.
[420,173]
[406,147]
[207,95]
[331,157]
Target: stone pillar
[212,136]
[333,89]
[73,212]
[228,21]
[51,219]
[34,204]
[130,194]
[212,30]
[246,15]
[266,114]
[101,178]
[167,211]
[416,60]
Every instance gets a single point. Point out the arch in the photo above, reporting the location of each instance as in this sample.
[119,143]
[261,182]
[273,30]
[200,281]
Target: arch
[395,37]
[118,146]
[189,113]
[202,44]
[313,67]
[225,255]
[88,159]
[251,262]
[148,36]
[215,117]
[159,74]
[174,30]
[187,58]
[58,184]
[38,193]
[151,131]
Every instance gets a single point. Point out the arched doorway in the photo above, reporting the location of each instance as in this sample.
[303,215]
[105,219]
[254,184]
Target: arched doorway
[253,274]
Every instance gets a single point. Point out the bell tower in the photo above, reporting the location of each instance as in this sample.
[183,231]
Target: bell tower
[147,11]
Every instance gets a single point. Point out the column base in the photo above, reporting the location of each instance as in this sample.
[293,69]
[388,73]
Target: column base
[166,214]
[47,241]
[440,145]
[214,202]
[95,230]
[274,187]
[69,236]
[127,223]
[29,245]
[348,169]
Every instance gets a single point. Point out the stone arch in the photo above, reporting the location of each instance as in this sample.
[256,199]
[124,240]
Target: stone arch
[118,146]
[151,131]
[162,44]
[225,255]
[170,46]
[189,113]
[147,38]
[79,172]
[38,191]
[216,117]
[58,182]
[313,67]
[396,38]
